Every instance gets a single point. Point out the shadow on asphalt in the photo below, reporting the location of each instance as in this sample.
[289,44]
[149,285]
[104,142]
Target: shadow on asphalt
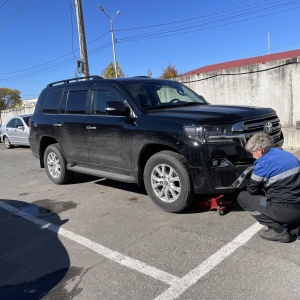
[33,261]
[196,207]
[129,187]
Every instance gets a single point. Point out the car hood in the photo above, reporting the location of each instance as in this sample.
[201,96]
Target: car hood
[213,113]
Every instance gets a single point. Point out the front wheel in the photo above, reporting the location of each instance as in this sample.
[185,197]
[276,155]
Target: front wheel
[56,165]
[168,181]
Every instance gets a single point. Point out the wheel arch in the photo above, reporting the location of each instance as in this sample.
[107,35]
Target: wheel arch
[146,152]
[44,143]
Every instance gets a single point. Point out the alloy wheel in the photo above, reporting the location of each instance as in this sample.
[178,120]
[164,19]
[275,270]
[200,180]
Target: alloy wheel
[53,165]
[165,183]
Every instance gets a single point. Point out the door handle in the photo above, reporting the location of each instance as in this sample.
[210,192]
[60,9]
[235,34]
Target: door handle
[91,127]
[57,124]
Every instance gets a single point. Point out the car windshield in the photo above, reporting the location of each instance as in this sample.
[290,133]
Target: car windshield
[160,94]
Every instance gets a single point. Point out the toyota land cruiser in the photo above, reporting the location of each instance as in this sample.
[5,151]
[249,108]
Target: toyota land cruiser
[145,130]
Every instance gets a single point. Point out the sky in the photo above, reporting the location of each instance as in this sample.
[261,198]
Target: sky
[39,38]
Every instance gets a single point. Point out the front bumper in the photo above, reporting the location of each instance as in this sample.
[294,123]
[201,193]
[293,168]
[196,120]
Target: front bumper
[240,182]
[216,181]
[221,168]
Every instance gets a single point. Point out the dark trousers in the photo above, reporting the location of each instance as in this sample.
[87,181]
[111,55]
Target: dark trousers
[273,215]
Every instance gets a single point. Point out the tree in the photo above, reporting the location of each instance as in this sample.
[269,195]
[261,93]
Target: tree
[9,98]
[169,72]
[109,71]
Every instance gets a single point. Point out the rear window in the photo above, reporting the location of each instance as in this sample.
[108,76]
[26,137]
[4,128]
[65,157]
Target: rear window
[26,120]
[74,102]
[52,101]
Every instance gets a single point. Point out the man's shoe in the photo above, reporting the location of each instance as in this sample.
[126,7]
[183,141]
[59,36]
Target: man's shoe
[294,231]
[272,235]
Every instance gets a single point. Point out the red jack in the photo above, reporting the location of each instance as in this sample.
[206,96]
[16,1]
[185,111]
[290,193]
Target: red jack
[219,203]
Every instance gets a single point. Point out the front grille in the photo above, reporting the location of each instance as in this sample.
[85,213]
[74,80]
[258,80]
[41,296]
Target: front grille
[250,127]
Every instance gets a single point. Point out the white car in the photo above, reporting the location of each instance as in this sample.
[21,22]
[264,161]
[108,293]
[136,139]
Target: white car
[15,131]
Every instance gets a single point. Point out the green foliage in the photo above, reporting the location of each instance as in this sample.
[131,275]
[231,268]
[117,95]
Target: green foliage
[169,72]
[9,98]
[109,71]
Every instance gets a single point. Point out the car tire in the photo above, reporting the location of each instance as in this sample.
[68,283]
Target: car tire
[7,142]
[168,181]
[56,165]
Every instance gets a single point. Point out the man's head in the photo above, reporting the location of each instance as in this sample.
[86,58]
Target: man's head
[258,143]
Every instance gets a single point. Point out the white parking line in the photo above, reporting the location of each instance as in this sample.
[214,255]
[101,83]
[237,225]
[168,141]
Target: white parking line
[110,254]
[201,270]
[177,285]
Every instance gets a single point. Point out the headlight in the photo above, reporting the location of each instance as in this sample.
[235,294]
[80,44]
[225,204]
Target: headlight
[210,133]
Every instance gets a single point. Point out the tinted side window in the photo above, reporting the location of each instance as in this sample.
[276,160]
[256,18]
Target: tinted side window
[64,103]
[101,97]
[76,102]
[11,123]
[26,120]
[52,101]
[19,123]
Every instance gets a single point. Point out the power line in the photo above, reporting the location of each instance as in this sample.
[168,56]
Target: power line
[3,3]
[63,56]
[192,27]
[29,73]
[209,16]
[225,18]
[14,14]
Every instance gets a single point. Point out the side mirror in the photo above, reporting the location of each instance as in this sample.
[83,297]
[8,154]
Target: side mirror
[21,127]
[117,108]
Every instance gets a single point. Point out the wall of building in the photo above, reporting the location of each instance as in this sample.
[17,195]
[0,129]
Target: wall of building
[5,115]
[274,84]
[27,107]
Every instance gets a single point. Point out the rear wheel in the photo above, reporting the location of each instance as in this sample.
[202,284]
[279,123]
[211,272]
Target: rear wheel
[56,165]
[168,181]
[7,143]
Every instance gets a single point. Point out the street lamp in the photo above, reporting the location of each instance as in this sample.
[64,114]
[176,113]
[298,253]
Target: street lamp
[112,35]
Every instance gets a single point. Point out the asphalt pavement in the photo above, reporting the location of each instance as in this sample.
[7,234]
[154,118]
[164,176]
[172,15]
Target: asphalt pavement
[100,239]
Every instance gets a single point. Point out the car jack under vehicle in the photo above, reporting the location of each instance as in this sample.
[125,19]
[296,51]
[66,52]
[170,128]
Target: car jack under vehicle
[223,202]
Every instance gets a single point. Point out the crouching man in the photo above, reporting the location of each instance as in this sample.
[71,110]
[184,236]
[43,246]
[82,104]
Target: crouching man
[273,192]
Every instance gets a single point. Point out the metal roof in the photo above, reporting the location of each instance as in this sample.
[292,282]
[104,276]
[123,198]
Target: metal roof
[246,61]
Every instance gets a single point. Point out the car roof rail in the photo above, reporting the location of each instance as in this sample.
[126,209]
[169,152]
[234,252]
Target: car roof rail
[141,76]
[65,81]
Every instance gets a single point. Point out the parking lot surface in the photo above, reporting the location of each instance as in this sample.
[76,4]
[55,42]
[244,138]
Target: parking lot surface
[99,239]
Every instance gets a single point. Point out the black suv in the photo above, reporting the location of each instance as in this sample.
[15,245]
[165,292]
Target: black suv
[145,130]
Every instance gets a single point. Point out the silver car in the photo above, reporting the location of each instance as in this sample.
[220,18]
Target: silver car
[15,131]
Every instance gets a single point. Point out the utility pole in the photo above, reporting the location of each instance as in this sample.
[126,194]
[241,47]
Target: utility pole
[112,36]
[82,64]
[269,42]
